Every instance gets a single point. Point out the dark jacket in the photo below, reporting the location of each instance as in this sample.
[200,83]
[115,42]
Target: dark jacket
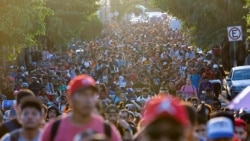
[9,126]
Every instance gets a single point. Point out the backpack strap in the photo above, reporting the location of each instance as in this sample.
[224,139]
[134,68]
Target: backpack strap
[183,88]
[114,99]
[107,130]
[14,136]
[193,90]
[54,129]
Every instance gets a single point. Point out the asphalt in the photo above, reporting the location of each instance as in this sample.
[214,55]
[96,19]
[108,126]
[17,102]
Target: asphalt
[223,99]
[223,96]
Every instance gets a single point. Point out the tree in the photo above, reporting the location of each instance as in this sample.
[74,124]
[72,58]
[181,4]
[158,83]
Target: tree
[21,22]
[207,20]
[68,20]
[247,6]
[92,28]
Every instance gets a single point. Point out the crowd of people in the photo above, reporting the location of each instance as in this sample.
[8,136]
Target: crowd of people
[141,82]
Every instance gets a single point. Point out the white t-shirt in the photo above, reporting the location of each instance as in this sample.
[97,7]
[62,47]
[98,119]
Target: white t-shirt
[7,137]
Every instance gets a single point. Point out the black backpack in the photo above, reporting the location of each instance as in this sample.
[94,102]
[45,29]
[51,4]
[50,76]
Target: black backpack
[55,126]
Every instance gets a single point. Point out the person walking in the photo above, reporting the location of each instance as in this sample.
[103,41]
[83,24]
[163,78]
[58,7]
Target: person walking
[164,119]
[82,92]
[30,118]
[189,90]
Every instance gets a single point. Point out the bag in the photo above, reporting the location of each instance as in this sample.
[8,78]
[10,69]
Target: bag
[55,126]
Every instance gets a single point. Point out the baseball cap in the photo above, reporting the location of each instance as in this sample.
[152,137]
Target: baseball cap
[81,82]
[215,66]
[31,102]
[131,107]
[25,85]
[22,94]
[164,106]
[220,127]
[240,122]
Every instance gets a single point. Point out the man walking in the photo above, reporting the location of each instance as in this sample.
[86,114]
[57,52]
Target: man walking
[14,123]
[30,118]
[82,92]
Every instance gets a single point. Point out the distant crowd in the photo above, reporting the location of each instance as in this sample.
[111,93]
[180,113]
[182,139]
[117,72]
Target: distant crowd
[140,82]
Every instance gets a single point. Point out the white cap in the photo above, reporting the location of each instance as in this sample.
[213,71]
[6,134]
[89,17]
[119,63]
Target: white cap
[215,66]
[220,127]
[22,68]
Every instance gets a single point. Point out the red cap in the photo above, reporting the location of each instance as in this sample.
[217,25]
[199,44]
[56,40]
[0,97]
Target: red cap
[80,82]
[164,106]
[240,122]
[235,138]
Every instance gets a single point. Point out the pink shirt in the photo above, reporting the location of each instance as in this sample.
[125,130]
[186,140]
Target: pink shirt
[67,131]
[188,90]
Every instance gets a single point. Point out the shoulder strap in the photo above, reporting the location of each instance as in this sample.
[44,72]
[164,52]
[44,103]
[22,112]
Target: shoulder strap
[114,99]
[107,130]
[193,89]
[183,88]
[14,136]
[54,129]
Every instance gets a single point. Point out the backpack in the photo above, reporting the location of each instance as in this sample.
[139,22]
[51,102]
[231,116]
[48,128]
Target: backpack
[55,126]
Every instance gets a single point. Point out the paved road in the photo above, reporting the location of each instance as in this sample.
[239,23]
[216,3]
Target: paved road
[223,99]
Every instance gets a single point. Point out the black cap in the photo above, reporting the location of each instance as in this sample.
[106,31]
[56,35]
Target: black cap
[31,102]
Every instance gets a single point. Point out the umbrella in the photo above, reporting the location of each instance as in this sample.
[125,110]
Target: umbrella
[241,101]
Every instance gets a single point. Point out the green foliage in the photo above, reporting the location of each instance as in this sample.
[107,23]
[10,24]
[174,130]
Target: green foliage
[26,23]
[21,22]
[206,20]
[92,27]
[247,6]
[68,20]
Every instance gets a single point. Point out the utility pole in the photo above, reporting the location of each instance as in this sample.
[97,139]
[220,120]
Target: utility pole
[105,8]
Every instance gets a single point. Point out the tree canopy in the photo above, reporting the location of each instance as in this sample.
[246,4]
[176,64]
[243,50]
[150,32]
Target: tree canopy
[206,20]
[21,22]
[92,27]
[25,23]
[68,20]
[247,6]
